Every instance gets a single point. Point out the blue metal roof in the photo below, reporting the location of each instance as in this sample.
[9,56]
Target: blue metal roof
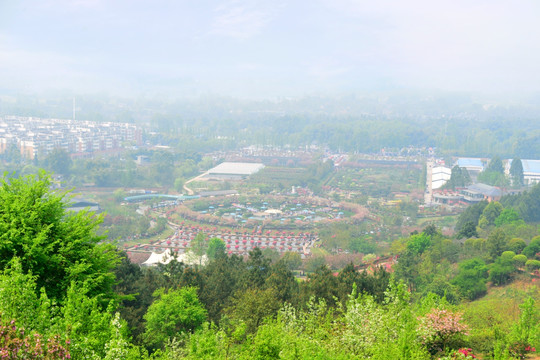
[165,196]
[531,166]
[469,162]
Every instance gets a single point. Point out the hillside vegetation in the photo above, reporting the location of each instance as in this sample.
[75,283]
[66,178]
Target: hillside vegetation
[66,294]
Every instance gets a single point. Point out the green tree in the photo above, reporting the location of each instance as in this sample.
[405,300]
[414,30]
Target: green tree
[496,243]
[519,261]
[459,178]
[501,270]
[292,260]
[132,279]
[29,169]
[12,154]
[258,269]
[163,167]
[471,278]
[79,318]
[407,268]
[494,173]
[490,214]
[206,163]
[476,247]
[221,278]
[526,332]
[508,216]
[528,204]
[271,254]
[56,247]
[198,246]
[252,306]
[443,288]
[85,323]
[533,248]
[471,214]
[216,247]
[517,245]
[172,313]
[20,300]
[59,161]
[467,231]
[532,265]
[323,285]
[119,195]
[282,280]
[516,172]
[495,165]
[418,243]
[313,263]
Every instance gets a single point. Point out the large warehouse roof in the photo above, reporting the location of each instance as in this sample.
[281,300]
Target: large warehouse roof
[485,189]
[236,168]
[470,163]
[529,166]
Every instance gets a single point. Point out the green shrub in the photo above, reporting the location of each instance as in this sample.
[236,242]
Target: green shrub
[532,265]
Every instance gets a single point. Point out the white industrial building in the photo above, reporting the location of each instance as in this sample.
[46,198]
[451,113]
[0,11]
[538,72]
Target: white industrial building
[233,170]
[439,176]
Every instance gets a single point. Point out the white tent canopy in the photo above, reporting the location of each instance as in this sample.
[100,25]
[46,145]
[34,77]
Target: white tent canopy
[166,257]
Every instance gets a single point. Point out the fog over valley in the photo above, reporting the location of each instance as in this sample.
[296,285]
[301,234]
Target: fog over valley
[261,49]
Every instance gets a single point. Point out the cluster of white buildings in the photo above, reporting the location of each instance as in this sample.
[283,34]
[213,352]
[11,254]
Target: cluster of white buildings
[438,175]
[37,137]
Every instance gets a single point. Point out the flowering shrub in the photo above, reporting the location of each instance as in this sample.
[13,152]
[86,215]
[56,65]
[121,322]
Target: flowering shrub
[441,329]
[465,354]
[460,354]
[15,344]
[519,350]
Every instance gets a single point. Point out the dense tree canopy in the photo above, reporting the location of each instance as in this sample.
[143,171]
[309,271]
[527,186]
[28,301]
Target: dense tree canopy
[57,275]
[172,313]
[493,174]
[56,247]
[527,204]
[471,215]
[59,161]
[216,247]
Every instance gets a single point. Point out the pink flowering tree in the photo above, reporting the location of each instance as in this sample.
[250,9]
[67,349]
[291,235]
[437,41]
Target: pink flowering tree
[441,329]
[15,343]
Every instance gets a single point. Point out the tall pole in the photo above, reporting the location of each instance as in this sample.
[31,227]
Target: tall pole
[428,195]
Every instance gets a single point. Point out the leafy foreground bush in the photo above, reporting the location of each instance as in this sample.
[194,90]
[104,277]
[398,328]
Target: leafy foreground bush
[56,281]
[361,330]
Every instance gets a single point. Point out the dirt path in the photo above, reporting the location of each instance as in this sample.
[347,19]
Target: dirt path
[188,190]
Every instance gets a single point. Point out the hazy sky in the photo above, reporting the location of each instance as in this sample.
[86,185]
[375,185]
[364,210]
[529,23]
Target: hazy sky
[269,47]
